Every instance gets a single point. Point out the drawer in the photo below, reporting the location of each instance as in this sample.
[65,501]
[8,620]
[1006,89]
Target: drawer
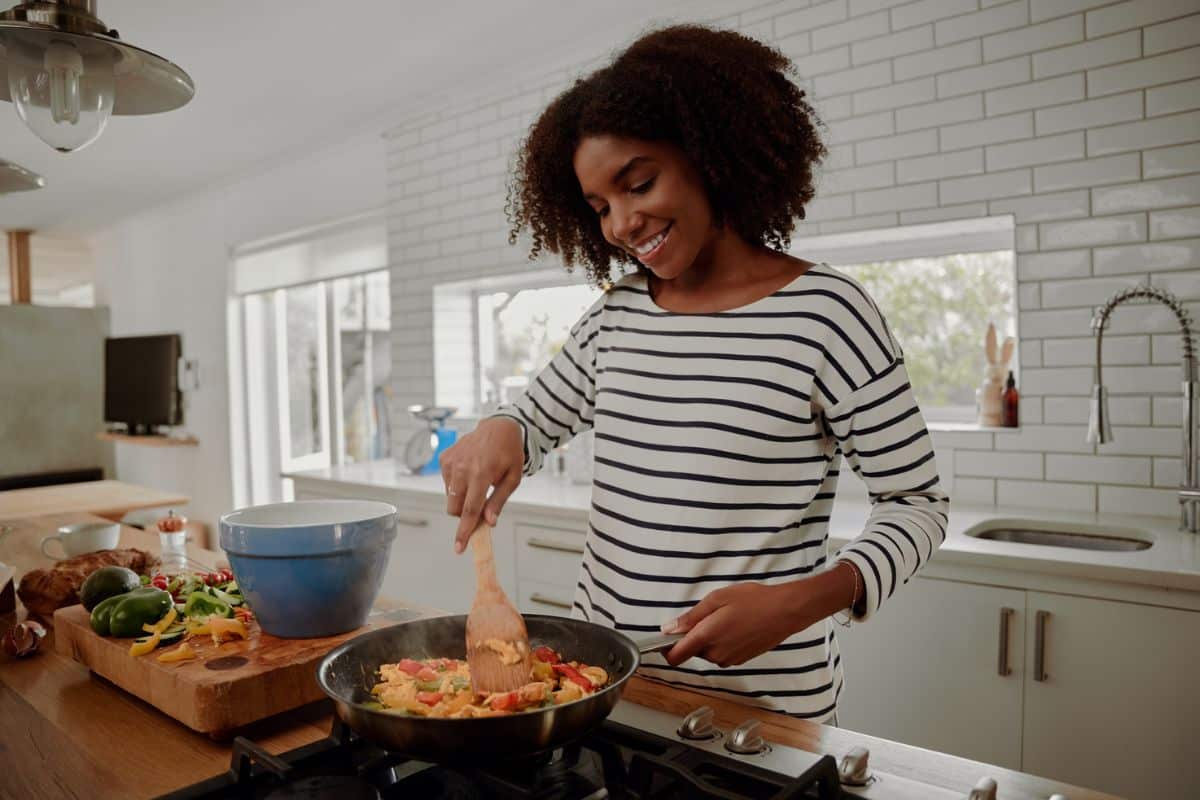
[536,597]
[548,555]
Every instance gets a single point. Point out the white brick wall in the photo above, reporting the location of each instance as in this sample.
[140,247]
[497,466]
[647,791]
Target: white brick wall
[1079,117]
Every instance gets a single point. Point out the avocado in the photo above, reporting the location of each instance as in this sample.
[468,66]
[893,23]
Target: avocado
[107,582]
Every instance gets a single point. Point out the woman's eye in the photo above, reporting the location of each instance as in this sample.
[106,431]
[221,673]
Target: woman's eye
[642,188]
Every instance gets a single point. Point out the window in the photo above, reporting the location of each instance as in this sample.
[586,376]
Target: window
[311,358]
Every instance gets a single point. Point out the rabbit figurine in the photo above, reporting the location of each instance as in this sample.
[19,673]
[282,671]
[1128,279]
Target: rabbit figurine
[991,392]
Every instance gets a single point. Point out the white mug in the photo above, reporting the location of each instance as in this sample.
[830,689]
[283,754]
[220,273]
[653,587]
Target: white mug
[83,537]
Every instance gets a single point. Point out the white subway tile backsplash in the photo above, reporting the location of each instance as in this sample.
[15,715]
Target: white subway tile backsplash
[1098,469]
[1041,208]
[1039,324]
[1087,55]
[1175,223]
[871,176]
[1029,298]
[813,17]
[1171,35]
[1034,494]
[943,213]
[985,464]
[1168,472]
[1057,380]
[1182,96]
[962,440]
[896,44]
[1081,351]
[1135,14]
[827,207]
[1185,285]
[1158,132]
[1154,502]
[1155,71]
[896,147]
[981,23]
[1074,410]
[913,195]
[1045,439]
[861,223]
[1140,258]
[855,129]
[1141,441]
[795,46]
[837,107]
[1026,238]
[1165,161]
[974,491]
[853,80]
[924,168]
[921,90]
[1142,380]
[1090,172]
[987,131]
[924,11]
[943,59]
[1044,150]
[852,30]
[840,157]
[943,112]
[1089,114]
[1037,94]
[858,7]
[996,184]
[1063,264]
[823,63]
[1163,193]
[1048,9]
[1093,231]
[1168,411]
[1030,411]
[1055,33]
[989,76]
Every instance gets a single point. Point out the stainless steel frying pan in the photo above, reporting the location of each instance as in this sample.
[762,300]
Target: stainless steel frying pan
[348,673]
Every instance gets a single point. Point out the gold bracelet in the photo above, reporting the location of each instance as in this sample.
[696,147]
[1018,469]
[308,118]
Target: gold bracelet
[853,595]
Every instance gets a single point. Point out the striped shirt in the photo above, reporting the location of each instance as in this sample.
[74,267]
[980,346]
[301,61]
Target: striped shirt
[718,442]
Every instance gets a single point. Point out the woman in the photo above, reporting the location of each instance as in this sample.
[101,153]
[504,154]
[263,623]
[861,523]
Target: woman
[725,379]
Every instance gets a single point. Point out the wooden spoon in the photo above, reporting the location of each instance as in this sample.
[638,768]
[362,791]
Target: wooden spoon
[495,629]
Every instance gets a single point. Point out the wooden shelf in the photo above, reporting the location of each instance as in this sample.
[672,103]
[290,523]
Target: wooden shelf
[148,441]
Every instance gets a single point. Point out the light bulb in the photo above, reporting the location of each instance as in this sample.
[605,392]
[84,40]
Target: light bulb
[63,92]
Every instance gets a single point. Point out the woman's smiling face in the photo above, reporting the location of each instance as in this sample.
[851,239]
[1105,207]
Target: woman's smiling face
[650,201]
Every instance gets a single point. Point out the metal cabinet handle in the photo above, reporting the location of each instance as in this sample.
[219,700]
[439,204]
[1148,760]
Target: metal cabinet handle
[1039,647]
[413,522]
[538,597]
[1002,667]
[551,544]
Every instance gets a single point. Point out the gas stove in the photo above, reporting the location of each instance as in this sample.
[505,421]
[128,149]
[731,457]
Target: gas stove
[636,754]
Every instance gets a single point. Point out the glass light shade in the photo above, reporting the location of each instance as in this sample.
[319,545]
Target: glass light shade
[63,88]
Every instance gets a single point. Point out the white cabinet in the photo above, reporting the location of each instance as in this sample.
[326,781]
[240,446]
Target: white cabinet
[1117,707]
[548,554]
[927,670]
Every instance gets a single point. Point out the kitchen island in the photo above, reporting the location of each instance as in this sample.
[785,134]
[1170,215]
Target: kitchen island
[67,733]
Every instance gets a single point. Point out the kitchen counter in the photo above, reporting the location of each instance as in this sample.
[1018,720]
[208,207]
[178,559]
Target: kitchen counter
[69,734]
[110,499]
[1166,573]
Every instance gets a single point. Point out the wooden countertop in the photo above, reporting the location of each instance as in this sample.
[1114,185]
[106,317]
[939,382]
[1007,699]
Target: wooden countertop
[110,499]
[67,733]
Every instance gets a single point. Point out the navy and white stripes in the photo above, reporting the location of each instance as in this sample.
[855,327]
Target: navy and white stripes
[718,443]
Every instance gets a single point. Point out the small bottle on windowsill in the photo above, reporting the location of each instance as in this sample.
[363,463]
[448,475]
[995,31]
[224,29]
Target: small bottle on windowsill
[1012,402]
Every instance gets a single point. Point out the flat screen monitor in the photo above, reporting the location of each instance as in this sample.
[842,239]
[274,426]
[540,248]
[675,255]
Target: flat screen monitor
[141,381]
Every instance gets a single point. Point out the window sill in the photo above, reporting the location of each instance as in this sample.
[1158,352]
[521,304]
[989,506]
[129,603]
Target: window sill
[969,427]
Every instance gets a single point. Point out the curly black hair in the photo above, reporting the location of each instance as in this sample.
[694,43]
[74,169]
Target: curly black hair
[723,98]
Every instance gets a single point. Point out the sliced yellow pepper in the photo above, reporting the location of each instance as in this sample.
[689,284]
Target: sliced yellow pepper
[163,623]
[222,629]
[141,648]
[182,653]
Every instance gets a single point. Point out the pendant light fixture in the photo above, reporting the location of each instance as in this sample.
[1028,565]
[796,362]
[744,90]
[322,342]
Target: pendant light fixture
[14,178]
[67,72]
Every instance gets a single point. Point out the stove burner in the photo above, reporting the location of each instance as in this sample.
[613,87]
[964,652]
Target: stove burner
[327,787]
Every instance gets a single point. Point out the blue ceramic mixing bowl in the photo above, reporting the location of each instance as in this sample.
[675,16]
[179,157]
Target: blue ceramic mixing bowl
[312,567]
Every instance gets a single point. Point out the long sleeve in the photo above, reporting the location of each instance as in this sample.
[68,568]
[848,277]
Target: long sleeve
[561,401]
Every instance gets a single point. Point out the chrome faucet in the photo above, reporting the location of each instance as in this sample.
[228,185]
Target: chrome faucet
[1099,429]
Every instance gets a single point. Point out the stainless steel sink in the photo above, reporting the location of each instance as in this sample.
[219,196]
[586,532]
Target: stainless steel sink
[1049,534]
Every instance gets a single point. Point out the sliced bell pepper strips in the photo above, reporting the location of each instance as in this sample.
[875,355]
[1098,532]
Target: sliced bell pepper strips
[546,655]
[143,646]
[182,653]
[575,676]
[429,698]
[163,623]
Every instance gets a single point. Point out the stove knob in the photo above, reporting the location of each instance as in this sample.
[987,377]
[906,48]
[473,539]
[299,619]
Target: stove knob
[984,790]
[698,725]
[854,769]
[746,740]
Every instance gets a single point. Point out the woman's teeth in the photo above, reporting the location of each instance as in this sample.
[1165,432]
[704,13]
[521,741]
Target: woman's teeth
[650,244]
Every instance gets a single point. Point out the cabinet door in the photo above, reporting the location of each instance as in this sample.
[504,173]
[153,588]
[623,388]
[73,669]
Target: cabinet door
[926,670]
[1118,708]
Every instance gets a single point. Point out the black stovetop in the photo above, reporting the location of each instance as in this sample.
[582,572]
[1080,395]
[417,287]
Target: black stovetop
[613,761]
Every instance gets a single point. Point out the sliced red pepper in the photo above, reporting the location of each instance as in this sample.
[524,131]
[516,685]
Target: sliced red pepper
[506,702]
[546,655]
[427,674]
[429,698]
[410,666]
[574,675]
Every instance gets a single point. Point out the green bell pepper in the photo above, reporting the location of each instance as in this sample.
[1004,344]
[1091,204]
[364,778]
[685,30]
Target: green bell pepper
[102,614]
[201,605]
[140,607]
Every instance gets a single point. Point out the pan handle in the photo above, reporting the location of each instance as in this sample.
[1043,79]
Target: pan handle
[656,644]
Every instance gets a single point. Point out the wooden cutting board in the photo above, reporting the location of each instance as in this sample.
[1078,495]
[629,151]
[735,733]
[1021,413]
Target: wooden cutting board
[226,686]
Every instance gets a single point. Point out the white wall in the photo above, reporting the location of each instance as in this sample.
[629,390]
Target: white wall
[167,270]
[1080,117]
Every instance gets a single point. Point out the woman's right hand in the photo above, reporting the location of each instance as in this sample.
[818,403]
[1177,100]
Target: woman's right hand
[491,455]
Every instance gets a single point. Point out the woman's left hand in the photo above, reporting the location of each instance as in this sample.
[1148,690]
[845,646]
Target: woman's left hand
[733,625]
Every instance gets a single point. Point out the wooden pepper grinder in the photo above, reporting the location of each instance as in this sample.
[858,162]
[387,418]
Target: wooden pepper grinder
[172,538]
